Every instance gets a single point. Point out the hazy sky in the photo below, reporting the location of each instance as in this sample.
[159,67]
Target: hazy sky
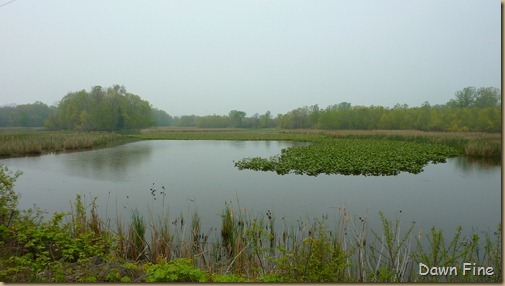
[210,57]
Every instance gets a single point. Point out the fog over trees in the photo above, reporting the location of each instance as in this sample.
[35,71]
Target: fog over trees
[472,109]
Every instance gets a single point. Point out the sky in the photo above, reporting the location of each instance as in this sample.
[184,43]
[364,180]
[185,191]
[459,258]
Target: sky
[210,57]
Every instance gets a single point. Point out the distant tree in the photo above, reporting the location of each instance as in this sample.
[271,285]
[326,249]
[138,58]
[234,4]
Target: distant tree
[265,120]
[471,97]
[252,121]
[344,106]
[99,109]
[487,97]
[186,121]
[313,116]
[212,121]
[464,98]
[161,118]
[236,117]
[24,115]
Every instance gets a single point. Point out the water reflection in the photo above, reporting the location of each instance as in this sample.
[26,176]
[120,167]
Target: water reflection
[469,165]
[107,164]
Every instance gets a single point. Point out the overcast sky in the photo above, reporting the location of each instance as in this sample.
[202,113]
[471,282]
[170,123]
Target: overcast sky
[210,57]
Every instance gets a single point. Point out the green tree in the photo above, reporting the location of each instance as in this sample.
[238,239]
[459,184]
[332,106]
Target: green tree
[8,198]
[487,97]
[236,118]
[161,118]
[99,109]
[464,98]
[265,120]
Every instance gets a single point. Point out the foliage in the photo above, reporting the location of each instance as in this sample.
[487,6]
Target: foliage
[8,199]
[177,270]
[161,118]
[352,157]
[318,258]
[101,109]
[472,110]
[480,98]
[25,115]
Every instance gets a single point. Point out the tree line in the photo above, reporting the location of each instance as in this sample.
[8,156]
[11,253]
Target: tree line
[25,115]
[472,109]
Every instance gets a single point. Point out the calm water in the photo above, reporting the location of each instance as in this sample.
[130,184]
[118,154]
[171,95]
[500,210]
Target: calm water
[201,175]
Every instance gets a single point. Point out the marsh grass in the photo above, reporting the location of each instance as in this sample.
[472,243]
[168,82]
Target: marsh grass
[247,247]
[136,235]
[27,142]
[460,249]
[473,144]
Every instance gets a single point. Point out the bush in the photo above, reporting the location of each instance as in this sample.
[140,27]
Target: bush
[8,198]
[177,270]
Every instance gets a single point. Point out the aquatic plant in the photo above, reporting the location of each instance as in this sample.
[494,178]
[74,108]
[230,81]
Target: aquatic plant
[352,157]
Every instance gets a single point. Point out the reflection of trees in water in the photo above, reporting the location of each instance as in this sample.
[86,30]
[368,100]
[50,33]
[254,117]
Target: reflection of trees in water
[468,164]
[108,162]
[237,144]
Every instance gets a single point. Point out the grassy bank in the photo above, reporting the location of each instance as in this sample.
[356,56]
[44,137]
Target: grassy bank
[473,144]
[23,142]
[223,134]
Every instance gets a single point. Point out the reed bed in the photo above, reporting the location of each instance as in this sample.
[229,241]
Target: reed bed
[20,143]
[332,248]
[246,247]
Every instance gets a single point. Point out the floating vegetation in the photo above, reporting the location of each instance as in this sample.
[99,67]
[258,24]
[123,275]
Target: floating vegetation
[352,157]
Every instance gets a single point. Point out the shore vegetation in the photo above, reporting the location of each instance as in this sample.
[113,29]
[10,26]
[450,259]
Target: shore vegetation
[22,142]
[81,246]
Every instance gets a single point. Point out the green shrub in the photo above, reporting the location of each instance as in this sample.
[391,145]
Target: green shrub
[177,270]
[8,198]
[318,258]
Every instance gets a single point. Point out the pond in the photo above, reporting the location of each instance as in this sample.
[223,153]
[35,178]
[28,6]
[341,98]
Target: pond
[200,175]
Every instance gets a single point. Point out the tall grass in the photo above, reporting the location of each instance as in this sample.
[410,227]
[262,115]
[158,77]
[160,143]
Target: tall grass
[136,236]
[246,246]
[339,248]
[17,143]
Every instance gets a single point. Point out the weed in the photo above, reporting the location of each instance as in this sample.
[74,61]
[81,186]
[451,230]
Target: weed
[177,270]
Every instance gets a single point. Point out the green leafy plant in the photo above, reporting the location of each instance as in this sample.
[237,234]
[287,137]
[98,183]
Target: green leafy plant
[352,157]
[8,198]
[177,270]
[317,258]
